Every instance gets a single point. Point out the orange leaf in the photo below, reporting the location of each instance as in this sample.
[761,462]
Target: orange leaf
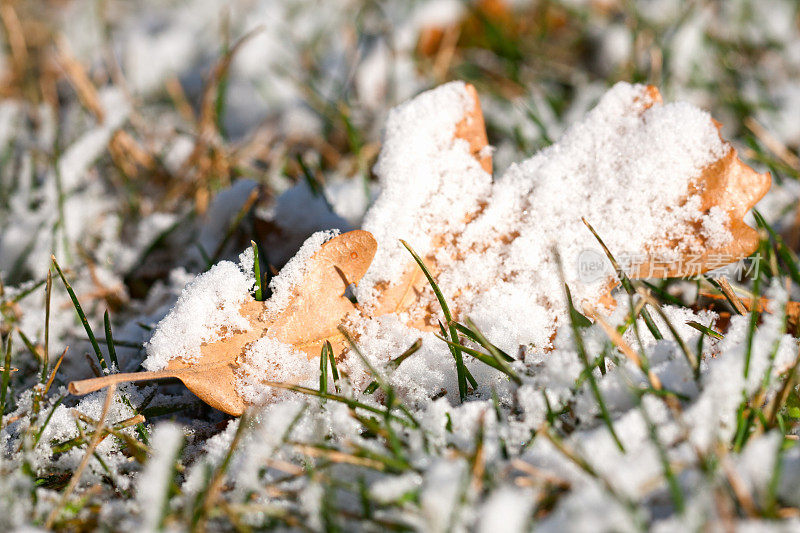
[316,308]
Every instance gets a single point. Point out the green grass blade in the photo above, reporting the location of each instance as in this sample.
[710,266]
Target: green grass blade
[5,380]
[332,358]
[112,351]
[497,364]
[394,363]
[475,338]
[626,282]
[470,379]
[353,404]
[391,399]
[28,344]
[753,319]
[47,419]
[257,273]
[81,315]
[672,482]
[736,306]
[497,354]
[581,349]
[460,368]
[705,329]
[691,358]
[323,370]
[48,292]
[786,254]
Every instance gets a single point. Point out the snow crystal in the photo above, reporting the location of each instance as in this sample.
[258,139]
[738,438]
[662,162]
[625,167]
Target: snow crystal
[715,228]
[206,311]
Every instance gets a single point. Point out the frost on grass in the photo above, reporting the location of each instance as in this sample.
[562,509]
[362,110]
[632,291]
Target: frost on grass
[207,310]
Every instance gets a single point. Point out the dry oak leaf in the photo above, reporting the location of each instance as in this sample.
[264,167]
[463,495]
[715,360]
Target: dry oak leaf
[317,307]
[791,310]
[726,186]
[729,184]
[319,304]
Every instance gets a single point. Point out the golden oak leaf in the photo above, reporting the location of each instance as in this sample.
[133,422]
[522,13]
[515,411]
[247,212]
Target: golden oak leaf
[317,307]
[728,184]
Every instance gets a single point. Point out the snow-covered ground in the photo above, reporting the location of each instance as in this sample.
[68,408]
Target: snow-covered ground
[140,157]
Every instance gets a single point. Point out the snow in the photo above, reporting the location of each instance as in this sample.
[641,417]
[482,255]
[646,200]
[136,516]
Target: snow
[268,359]
[506,509]
[209,304]
[428,179]
[154,483]
[627,167]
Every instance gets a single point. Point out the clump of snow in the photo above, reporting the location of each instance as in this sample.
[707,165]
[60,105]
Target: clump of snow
[207,310]
[428,179]
[715,228]
[270,360]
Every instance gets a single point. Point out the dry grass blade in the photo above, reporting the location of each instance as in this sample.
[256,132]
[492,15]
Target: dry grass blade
[623,346]
[775,146]
[55,369]
[76,477]
[727,290]
[337,456]
[79,78]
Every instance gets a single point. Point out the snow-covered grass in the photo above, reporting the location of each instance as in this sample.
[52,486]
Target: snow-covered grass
[144,147]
